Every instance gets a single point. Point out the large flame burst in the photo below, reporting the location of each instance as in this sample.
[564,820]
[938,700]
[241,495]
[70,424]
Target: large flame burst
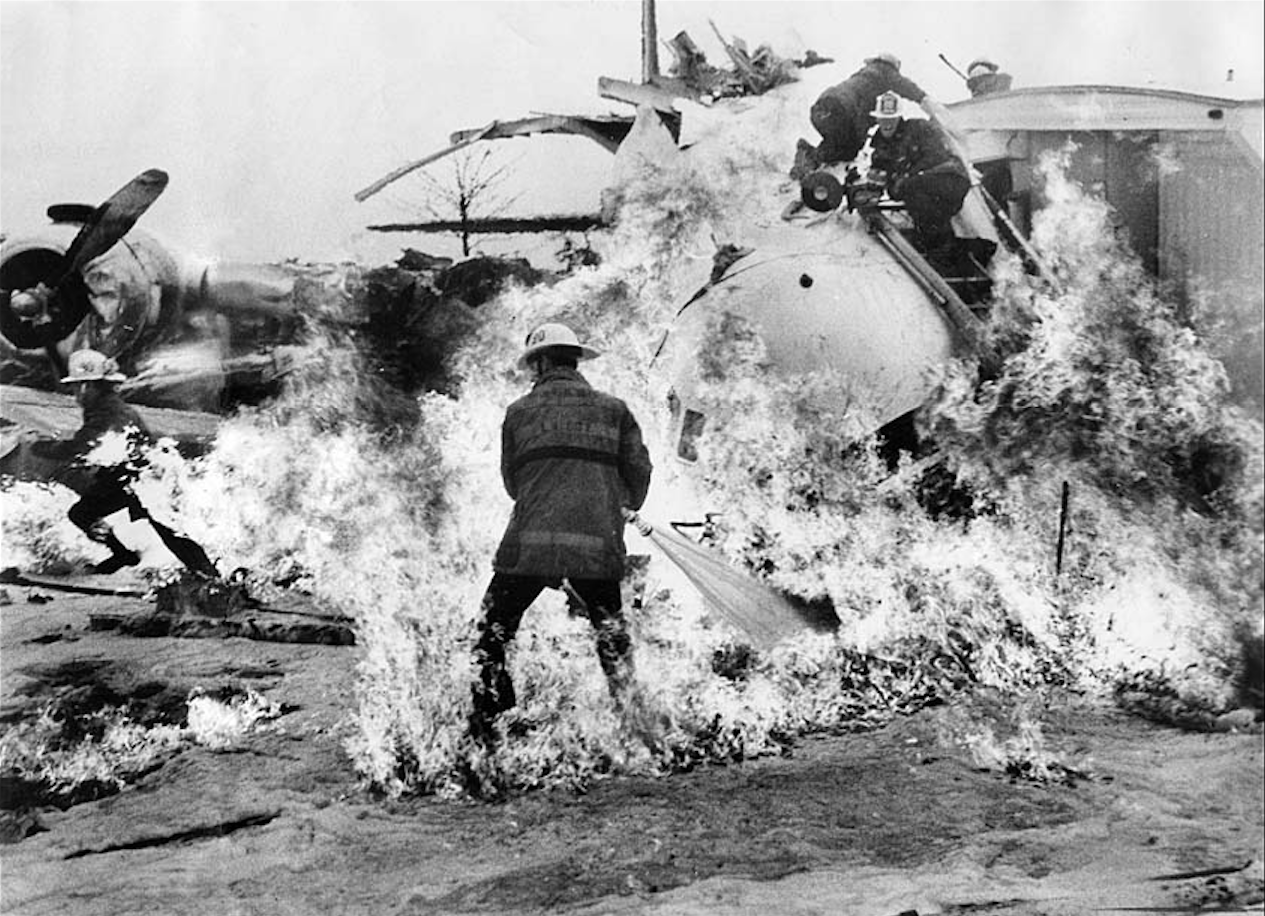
[1099,386]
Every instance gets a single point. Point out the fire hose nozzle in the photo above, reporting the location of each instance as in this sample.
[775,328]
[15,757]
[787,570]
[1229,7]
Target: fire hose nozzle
[643,527]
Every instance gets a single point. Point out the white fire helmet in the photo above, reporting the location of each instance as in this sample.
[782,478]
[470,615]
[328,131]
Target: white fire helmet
[887,105]
[886,57]
[91,366]
[980,66]
[554,335]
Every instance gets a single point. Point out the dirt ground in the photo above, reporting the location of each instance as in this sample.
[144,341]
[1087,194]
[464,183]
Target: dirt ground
[884,822]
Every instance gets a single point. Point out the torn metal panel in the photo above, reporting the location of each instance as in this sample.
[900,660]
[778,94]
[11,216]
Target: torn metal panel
[365,193]
[607,131]
[637,94]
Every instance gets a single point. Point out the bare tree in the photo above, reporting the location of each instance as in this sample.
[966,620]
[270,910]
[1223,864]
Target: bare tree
[472,193]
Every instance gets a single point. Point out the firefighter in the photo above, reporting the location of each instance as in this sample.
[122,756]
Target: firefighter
[842,115]
[912,159]
[105,489]
[983,76]
[572,459]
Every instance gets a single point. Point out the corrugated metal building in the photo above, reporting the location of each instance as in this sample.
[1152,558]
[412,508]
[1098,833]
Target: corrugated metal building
[1184,173]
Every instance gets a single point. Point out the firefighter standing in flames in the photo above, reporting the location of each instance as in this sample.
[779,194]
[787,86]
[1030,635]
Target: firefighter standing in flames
[572,459]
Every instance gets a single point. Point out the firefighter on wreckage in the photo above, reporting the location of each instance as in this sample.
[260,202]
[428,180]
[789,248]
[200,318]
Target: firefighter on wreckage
[910,160]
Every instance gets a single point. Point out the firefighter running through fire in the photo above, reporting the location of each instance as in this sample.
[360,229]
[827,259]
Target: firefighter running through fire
[572,459]
[105,489]
[909,158]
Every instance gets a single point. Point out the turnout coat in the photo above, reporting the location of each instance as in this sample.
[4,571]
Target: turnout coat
[841,113]
[572,458]
[106,414]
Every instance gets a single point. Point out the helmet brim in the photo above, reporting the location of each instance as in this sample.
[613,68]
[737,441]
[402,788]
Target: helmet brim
[112,377]
[584,352]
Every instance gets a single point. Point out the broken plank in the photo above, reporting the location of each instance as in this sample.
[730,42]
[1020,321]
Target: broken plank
[12,577]
[499,225]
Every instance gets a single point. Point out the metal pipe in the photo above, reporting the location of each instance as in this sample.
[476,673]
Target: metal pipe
[1058,557]
[649,42]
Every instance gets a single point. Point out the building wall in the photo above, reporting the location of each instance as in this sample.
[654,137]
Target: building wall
[1213,245]
[1192,205]
[1211,214]
[1120,168]
[1186,180]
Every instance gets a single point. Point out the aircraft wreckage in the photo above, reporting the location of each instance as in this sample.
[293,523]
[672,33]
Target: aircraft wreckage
[836,285]
[840,285]
[199,337]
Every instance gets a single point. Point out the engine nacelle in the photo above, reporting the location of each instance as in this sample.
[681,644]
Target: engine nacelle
[121,299]
[140,303]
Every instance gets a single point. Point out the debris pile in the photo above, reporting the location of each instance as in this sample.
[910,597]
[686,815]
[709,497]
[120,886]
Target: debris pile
[754,72]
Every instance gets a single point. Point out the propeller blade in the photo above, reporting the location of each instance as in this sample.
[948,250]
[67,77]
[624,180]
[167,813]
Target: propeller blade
[113,220]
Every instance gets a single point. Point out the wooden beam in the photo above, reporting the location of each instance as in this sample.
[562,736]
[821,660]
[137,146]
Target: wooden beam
[500,225]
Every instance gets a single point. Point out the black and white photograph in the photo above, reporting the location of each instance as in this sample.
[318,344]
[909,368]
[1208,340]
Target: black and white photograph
[632,457]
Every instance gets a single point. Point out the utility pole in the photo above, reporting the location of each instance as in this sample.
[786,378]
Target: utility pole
[649,42]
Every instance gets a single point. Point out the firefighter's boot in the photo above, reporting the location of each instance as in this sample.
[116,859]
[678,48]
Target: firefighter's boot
[186,550]
[120,555]
[807,160]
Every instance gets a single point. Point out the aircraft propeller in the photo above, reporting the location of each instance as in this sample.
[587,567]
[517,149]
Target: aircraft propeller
[101,231]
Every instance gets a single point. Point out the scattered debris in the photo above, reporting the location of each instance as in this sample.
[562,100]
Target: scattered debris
[754,73]
[760,71]
[412,259]
[476,280]
[1204,872]
[575,256]
[216,829]
[813,59]
[192,595]
[13,576]
[326,634]
[725,257]
[16,826]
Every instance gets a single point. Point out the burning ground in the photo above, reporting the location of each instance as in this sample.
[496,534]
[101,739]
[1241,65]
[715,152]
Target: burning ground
[956,707]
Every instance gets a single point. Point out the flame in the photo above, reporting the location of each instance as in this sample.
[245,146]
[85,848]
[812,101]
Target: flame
[1102,387]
